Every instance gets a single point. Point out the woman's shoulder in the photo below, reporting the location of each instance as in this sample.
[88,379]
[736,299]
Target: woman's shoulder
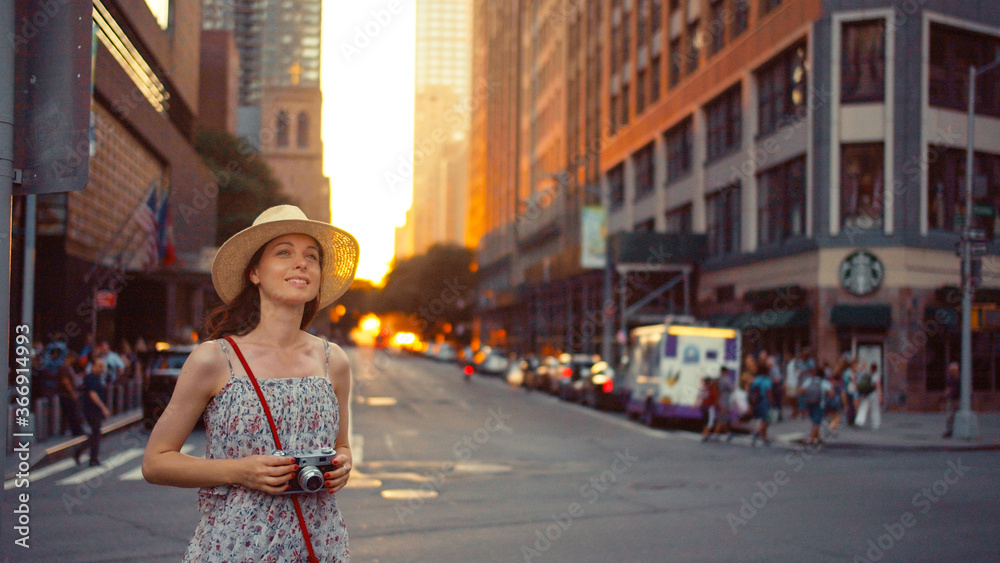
[208,356]
[332,353]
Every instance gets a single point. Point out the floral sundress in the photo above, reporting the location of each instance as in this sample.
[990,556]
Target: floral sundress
[239,524]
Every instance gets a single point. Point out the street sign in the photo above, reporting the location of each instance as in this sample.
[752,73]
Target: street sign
[977,234]
[978,248]
[106,299]
[52,76]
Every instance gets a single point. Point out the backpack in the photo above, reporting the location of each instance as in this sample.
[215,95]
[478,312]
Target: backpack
[812,391]
[865,384]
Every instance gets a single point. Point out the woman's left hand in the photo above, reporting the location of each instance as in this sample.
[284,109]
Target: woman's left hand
[337,478]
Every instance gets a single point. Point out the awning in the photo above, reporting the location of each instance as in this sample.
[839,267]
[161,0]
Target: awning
[764,320]
[862,316]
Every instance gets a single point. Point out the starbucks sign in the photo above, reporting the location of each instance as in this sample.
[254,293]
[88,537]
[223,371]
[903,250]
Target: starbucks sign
[861,273]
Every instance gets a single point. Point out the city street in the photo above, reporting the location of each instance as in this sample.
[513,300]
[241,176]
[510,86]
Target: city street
[480,471]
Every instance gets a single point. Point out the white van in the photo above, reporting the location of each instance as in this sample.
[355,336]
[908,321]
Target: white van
[667,363]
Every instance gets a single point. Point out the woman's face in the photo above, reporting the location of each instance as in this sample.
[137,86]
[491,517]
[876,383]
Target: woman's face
[289,269]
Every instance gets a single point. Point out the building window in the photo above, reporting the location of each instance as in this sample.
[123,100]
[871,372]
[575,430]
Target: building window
[679,149]
[741,17]
[675,63]
[693,51]
[613,115]
[768,5]
[656,16]
[302,130]
[861,186]
[716,27]
[953,51]
[641,24]
[616,186]
[722,217]
[782,83]
[281,129]
[724,117]
[781,201]
[640,91]
[862,62]
[623,116]
[946,190]
[643,159]
[647,226]
[654,79]
[679,219]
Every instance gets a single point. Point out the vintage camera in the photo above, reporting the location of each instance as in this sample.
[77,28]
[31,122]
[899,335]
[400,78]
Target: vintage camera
[312,465]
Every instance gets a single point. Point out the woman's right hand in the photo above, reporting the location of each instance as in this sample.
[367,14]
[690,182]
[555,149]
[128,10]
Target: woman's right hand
[268,473]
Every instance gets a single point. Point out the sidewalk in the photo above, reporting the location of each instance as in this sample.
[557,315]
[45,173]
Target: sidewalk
[899,431]
[58,447]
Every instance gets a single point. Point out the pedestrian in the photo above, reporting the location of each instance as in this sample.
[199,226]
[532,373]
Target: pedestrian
[709,400]
[777,385]
[850,378]
[814,390]
[95,410]
[761,401]
[272,277]
[726,384]
[834,401]
[795,367]
[870,391]
[952,394]
[69,404]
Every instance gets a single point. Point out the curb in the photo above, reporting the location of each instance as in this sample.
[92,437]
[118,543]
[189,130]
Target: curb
[121,422]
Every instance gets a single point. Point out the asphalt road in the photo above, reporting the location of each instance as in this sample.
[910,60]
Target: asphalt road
[480,471]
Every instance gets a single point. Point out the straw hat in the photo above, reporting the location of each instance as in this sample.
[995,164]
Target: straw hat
[340,252]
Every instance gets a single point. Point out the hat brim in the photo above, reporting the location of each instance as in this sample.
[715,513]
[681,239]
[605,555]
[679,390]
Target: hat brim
[340,257]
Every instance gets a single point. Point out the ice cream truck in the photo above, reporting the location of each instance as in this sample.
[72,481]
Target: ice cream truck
[667,363]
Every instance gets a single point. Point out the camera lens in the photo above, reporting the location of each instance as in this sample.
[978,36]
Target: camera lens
[311,479]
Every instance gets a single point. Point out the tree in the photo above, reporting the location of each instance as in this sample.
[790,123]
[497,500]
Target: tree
[437,290]
[246,184]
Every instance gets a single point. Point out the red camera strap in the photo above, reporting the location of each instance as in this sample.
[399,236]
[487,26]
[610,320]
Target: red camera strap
[277,444]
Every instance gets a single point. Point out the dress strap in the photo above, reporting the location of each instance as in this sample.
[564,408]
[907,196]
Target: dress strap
[326,364]
[225,349]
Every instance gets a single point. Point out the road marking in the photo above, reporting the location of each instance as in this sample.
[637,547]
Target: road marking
[114,462]
[408,494]
[136,474]
[380,401]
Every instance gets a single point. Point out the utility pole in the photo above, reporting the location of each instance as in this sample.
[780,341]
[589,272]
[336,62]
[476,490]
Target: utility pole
[966,426]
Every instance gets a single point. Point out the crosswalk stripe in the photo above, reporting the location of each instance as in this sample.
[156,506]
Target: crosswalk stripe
[136,474]
[43,472]
[107,465]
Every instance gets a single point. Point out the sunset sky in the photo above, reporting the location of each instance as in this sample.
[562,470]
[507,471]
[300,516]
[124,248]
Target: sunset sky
[367,82]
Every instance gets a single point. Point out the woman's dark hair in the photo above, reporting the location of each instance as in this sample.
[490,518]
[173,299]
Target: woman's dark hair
[242,314]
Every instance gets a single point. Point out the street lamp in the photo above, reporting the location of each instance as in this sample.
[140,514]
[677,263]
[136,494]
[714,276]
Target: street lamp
[965,420]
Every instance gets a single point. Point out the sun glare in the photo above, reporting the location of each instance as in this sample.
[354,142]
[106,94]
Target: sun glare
[368,97]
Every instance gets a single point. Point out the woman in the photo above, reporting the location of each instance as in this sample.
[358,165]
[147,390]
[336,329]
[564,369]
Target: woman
[272,277]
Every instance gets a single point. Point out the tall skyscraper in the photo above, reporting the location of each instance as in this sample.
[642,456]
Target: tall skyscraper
[280,102]
[443,109]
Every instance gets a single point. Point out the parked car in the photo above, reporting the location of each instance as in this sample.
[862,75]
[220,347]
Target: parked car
[162,368]
[573,370]
[547,374]
[529,370]
[604,388]
[490,361]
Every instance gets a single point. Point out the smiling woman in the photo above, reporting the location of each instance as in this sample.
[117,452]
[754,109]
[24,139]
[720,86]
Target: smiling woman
[266,495]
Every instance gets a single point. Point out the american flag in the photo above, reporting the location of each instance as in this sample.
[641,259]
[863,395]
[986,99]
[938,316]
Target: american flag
[145,218]
[165,234]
